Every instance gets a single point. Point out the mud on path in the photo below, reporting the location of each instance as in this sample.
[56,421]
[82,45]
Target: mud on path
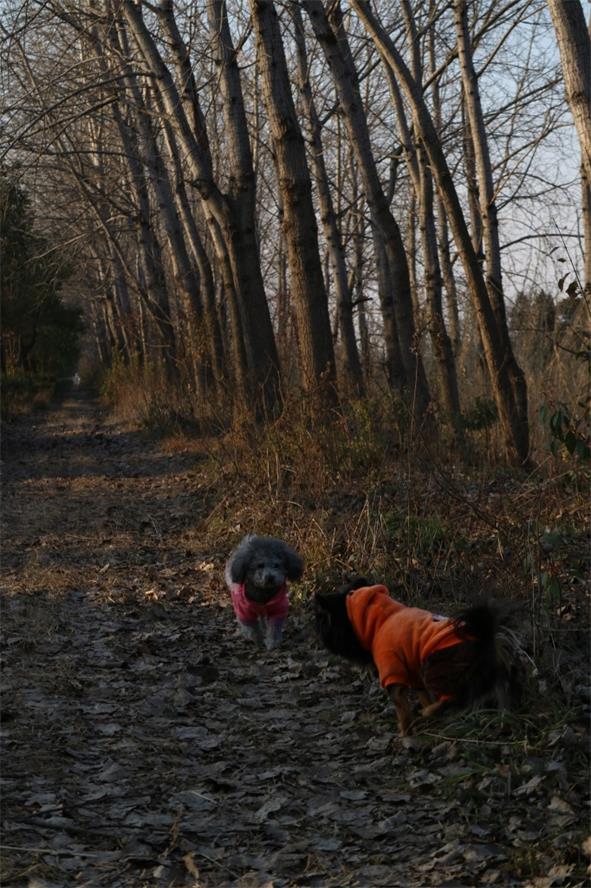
[145,744]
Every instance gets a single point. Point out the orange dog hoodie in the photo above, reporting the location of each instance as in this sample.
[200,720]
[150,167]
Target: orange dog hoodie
[399,638]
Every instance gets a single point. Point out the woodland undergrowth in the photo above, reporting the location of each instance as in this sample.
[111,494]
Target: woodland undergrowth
[362,492]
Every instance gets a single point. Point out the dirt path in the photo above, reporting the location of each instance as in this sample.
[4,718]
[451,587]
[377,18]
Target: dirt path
[145,744]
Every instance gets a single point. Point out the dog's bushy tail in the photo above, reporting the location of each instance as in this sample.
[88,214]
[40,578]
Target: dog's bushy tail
[495,667]
[481,621]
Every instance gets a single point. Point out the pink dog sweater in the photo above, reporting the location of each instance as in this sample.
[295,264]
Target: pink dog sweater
[249,612]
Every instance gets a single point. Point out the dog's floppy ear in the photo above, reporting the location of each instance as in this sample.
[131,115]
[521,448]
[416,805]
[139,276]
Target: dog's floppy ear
[294,566]
[334,627]
[330,608]
[239,563]
[322,601]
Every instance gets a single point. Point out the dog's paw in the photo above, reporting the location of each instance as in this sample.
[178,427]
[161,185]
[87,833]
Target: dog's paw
[432,708]
[410,742]
[252,632]
[274,634]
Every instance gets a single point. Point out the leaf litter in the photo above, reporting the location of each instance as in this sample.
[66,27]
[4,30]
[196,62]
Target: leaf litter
[145,744]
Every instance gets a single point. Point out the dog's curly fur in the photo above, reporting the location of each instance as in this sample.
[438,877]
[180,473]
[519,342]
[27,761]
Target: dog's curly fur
[263,565]
[485,666]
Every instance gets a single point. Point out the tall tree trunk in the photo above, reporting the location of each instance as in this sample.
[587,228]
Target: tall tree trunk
[332,37]
[241,192]
[482,164]
[155,291]
[396,367]
[357,282]
[99,334]
[449,280]
[411,252]
[511,400]
[574,43]
[488,208]
[332,234]
[143,320]
[299,219]
[186,281]
[213,334]
[586,207]
[433,285]
[109,325]
[186,277]
[469,164]
[114,310]
[447,273]
[233,224]
[422,183]
[121,292]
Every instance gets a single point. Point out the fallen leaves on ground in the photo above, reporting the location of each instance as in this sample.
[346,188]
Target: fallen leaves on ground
[146,744]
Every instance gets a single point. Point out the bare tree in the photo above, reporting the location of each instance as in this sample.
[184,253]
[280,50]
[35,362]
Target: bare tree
[391,256]
[301,233]
[422,182]
[447,273]
[230,216]
[574,42]
[161,148]
[336,251]
[507,379]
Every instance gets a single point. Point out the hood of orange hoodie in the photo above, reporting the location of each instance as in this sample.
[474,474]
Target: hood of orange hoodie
[368,609]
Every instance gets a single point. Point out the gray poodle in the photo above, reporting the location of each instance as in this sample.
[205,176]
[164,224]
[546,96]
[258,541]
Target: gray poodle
[256,575]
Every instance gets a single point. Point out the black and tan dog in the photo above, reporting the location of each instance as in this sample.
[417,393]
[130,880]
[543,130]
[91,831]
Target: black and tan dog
[448,662]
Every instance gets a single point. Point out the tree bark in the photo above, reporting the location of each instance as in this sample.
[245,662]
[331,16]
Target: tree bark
[447,273]
[186,277]
[482,164]
[233,223]
[487,205]
[586,207]
[299,219]
[332,37]
[422,183]
[511,400]
[356,283]
[239,166]
[155,291]
[574,43]
[352,364]
[213,334]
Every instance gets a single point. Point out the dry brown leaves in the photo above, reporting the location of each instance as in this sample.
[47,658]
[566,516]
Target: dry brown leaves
[145,744]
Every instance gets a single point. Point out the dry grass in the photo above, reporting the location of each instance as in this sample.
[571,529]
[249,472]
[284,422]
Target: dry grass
[144,398]
[353,503]
[364,492]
